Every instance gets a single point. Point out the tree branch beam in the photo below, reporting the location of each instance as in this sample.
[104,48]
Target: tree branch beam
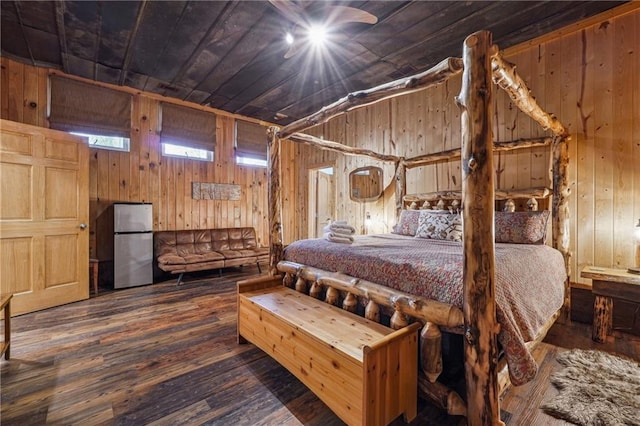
[433,76]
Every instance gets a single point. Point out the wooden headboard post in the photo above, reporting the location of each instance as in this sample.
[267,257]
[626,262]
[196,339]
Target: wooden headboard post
[275,202]
[560,215]
[481,326]
[401,186]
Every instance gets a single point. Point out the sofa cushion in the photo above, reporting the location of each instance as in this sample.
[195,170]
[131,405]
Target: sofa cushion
[165,243]
[202,241]
[171,259]
[220,239]
[184,238]
[204,257]
[232,254]
[243,238]
[261,251]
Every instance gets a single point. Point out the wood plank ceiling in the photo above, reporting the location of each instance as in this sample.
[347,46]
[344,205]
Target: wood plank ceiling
[230,55]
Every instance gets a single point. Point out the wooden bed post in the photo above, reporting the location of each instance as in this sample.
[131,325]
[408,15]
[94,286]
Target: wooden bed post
[481,328]
[401,187]
[275,214]
[560,216]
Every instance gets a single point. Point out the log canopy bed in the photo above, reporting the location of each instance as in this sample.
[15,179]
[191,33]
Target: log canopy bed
[477,287]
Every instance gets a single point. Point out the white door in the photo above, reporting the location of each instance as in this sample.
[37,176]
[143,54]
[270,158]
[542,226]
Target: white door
[321,200]
[325,201]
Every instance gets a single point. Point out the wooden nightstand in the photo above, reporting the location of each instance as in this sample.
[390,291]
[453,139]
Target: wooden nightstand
[607,284]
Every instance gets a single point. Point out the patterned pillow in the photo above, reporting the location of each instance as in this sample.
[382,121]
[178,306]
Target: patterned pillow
[522,227]
[408,223]
[439,226]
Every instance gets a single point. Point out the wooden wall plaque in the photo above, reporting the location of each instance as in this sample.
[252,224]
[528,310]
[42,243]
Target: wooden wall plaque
[215,191]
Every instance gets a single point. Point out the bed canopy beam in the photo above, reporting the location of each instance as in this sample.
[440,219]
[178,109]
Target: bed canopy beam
[455,153]
[316,142]
[421,160]
[403,164]
[436,75]
[505,76]
[500,195]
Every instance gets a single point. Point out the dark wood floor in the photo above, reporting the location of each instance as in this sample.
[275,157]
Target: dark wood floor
[163,354]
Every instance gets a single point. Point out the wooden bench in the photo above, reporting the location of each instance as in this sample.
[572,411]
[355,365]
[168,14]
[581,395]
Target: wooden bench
[365,372]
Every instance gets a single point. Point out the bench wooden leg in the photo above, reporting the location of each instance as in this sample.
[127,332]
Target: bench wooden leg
[7,330]
[6,345]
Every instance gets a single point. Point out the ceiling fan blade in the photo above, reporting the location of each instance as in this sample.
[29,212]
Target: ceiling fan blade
[289,10]
[338,15]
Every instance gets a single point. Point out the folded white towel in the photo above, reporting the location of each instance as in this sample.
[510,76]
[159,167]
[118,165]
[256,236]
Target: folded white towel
[342,228]
[339,227]
[338,238]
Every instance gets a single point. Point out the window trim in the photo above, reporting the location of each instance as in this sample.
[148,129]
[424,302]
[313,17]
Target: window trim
[126,142]
[251,161]
[210,154]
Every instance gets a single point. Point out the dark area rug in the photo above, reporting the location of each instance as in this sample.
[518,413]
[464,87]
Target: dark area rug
[596,388]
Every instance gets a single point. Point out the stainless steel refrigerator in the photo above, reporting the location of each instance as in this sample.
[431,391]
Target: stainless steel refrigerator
[132,244]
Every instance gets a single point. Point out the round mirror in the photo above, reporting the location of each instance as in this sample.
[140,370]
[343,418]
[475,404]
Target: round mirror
[365,183]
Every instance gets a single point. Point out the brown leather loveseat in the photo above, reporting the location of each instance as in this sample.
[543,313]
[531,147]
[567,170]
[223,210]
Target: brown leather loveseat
[198,250]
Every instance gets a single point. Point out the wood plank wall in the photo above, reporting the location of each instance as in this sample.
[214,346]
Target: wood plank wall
[588,78]
[143,174]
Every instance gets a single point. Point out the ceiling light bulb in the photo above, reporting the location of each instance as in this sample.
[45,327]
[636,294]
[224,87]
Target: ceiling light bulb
[289,38]
[317,34]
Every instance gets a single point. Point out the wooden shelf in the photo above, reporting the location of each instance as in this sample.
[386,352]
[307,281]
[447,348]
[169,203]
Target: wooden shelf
[611,275]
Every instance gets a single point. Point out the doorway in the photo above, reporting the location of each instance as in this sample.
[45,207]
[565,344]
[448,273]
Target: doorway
[322,199]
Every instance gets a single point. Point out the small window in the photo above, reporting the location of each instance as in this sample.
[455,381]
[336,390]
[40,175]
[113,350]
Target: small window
[115,143]
[172,150]
[248,161]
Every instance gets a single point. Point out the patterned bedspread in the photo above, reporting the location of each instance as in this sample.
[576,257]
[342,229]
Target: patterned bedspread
[529,280]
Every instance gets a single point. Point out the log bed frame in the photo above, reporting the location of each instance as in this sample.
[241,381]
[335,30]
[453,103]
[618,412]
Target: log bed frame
[485,376]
